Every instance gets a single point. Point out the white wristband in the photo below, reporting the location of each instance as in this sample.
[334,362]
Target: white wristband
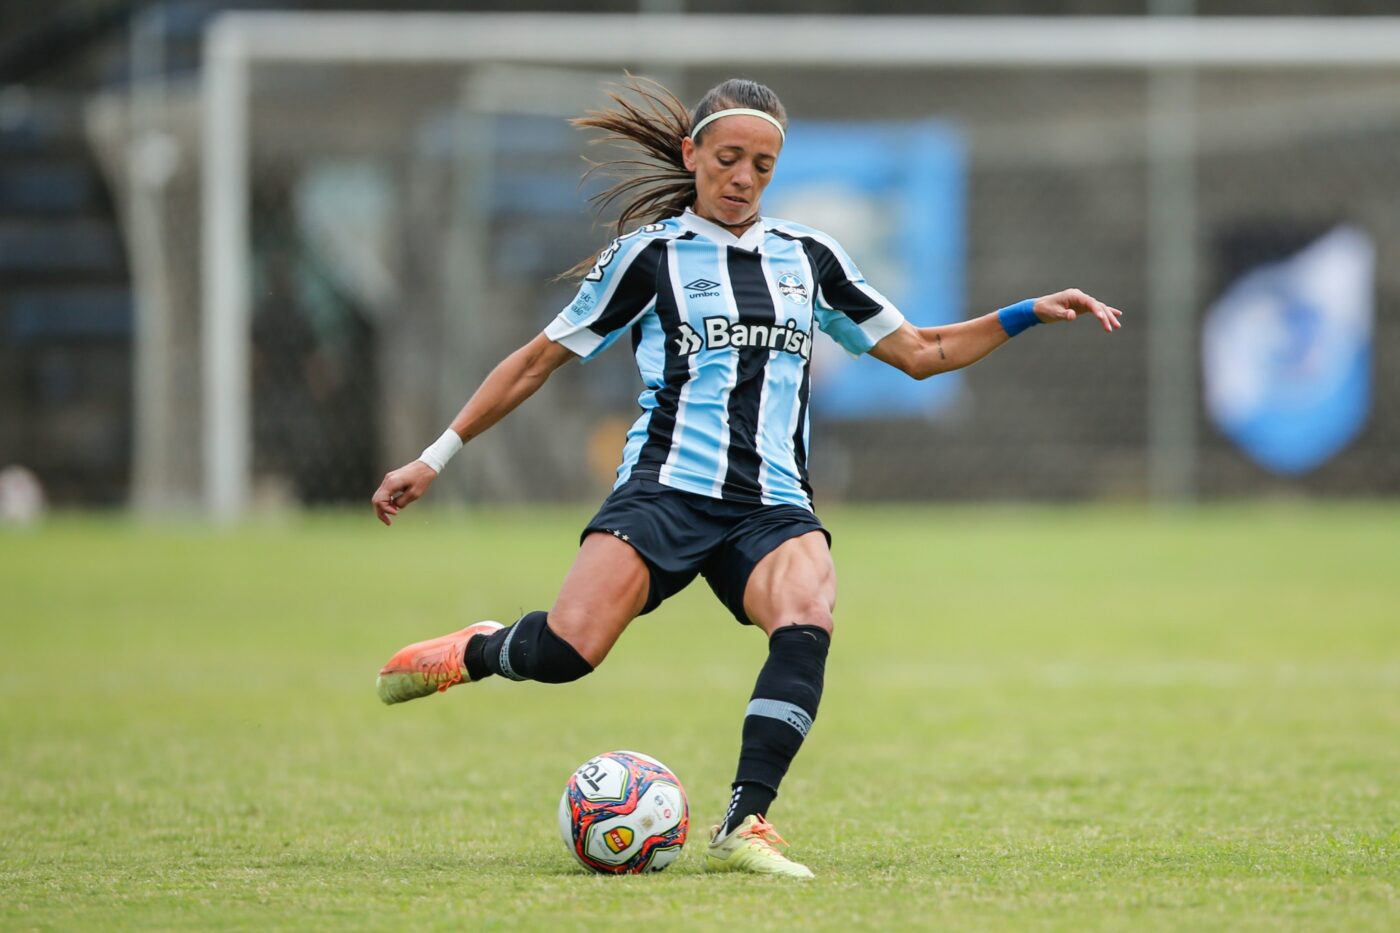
[441,450]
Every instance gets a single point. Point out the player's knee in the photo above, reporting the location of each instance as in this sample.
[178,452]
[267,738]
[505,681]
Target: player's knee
[555,659]
[815,612]
[561,661]
[571,625]
[821,617]
[531,649]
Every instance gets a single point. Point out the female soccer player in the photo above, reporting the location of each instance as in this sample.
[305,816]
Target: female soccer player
[719,302]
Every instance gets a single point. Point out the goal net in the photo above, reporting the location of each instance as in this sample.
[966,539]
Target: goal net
[386,202]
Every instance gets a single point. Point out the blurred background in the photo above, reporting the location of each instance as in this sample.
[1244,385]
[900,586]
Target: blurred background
[252,255]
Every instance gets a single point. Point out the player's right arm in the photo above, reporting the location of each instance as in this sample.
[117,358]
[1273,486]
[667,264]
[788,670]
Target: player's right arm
[617,291]
[514,379]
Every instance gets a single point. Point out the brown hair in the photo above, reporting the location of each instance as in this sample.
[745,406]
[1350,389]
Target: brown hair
[651,122]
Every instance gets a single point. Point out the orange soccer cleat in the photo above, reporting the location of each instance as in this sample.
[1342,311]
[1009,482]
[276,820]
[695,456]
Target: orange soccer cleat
[430,666]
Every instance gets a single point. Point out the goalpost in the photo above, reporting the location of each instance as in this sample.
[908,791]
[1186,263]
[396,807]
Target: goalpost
[1153,65]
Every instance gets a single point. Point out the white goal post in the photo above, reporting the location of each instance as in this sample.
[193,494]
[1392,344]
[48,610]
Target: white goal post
[1170,49]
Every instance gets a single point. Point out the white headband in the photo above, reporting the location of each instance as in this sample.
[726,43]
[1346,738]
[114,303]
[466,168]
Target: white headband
[737,112]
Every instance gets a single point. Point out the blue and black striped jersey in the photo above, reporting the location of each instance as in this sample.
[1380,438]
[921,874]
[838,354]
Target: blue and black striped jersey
[721,327]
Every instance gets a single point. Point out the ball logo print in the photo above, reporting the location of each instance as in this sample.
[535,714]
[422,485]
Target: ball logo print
[623,813]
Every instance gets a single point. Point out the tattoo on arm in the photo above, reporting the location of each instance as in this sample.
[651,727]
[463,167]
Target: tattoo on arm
[939,337]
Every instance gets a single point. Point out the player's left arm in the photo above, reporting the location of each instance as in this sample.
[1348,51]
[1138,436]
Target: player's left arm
[926,351]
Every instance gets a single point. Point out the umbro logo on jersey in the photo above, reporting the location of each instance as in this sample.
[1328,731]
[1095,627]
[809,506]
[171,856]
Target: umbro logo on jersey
[722,332]
[702,288]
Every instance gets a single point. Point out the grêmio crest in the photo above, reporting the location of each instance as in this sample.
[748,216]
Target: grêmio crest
[793,288]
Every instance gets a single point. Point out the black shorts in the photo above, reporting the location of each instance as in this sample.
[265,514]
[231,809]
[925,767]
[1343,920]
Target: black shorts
[679,534]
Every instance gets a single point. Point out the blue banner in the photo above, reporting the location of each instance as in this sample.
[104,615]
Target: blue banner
[894,196]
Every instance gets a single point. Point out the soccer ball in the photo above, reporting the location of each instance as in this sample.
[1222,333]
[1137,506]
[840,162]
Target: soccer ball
[624,813]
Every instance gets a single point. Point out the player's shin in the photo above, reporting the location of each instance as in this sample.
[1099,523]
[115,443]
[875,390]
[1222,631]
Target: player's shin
[527,650]
[779,715]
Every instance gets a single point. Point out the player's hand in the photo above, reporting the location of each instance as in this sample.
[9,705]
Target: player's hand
[1070,303]
[400,488]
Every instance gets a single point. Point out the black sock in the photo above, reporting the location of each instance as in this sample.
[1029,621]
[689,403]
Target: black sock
[780,713]
[527,650]
[746,799]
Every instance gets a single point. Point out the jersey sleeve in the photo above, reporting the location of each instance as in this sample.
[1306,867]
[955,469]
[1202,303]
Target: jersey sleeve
[618,290]
[847,308]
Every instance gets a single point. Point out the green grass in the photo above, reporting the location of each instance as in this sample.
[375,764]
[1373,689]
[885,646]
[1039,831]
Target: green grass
[1034,718]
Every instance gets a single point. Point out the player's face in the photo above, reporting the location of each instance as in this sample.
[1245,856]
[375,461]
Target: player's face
[732,164]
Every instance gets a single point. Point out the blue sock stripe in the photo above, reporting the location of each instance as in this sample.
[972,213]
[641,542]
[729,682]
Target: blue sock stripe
[790,713]
[1016,318]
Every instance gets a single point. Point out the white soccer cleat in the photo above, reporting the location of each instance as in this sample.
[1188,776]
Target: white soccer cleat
[753,847]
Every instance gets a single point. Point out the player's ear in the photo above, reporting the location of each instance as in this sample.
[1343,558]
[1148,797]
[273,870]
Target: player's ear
[688,153]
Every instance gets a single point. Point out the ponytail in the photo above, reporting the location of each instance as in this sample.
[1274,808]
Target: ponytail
[651,124]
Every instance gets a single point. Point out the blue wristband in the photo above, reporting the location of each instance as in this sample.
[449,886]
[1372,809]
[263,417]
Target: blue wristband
[1018,317]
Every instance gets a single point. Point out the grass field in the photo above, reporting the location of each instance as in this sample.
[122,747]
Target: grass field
[1034,718]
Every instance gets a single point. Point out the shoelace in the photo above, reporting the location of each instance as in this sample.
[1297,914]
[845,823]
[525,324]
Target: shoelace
[443,672]
[763,832]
